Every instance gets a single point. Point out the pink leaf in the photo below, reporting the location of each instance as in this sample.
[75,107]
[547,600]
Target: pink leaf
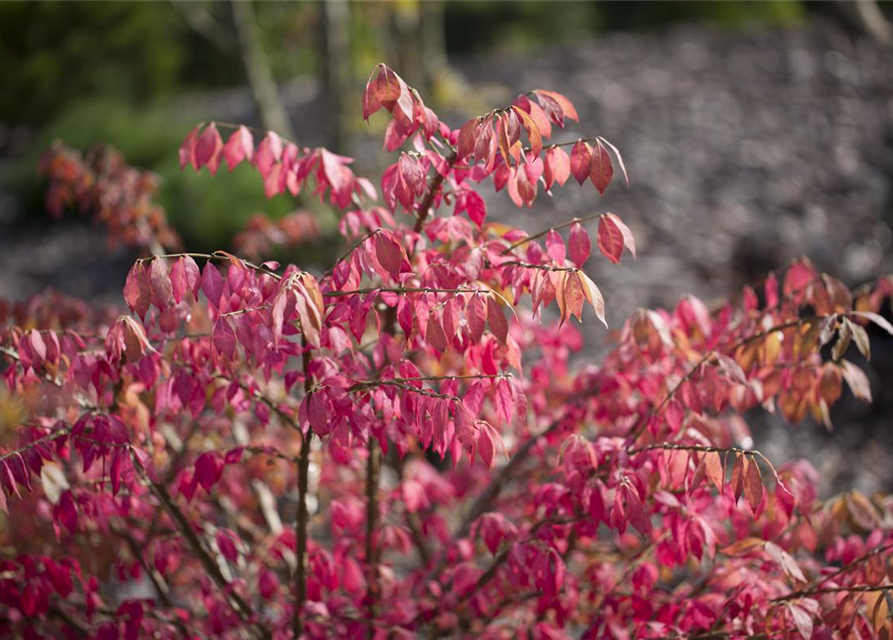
[556,167]
[476,208]
[160,280]
[208,148]
[600,168]
[212,283]
[496,318]
[555,246]
[239,147]
[390,255]
[476,320]
[581,157]
[579,245]
[187,149]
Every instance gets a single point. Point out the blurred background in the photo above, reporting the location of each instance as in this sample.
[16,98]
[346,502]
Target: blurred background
[754,133]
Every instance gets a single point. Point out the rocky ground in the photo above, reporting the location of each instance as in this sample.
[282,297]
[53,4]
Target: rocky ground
[745,149]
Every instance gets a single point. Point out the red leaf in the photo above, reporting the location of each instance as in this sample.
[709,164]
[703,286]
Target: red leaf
[475,317]
[503,400]
[498,324]
[435,334]
[533,131]
[65,512]
[239,147]
[600,168]
[180,277]
[161,283]
[387,87]
[579,245]
[714,470]
[753,485]
[224,338]
[557,167]
[476,208]
[390,255]
[628,240]
[277,314]
[556,106]
[638,517]
[269,152]
[466,139]
[610,239]
[137,293]
[187,149]
[212,283]
[573,298]
[208,470]
[619,160]
[581,157]
[208,148]
[227,545]
[555,246]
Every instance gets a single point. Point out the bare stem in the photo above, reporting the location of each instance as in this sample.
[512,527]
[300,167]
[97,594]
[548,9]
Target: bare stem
[372,464]
[563,225]
[303,517]
[433,187]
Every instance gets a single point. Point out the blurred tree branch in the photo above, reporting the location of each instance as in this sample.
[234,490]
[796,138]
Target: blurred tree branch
[260,77]
[206,25]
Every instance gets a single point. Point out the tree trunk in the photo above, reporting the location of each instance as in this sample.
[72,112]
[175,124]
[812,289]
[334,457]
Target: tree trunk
[337,72]
[263,85]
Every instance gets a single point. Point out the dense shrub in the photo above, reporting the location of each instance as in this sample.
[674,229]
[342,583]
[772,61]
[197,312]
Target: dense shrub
[398,447]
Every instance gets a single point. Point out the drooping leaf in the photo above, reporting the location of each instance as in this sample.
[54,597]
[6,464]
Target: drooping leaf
[496,319]
[601,171]
[610,239]
[579,245]
[753,484]
[593,296]
[581,157]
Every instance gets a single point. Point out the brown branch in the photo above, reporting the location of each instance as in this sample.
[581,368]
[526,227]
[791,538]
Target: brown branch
[214,256]
[563,225]
[36,443]
[353,292]
[301,523]
[372,464]
[818,592]
[347,253]
[427,202]
[541,267]
[242,608]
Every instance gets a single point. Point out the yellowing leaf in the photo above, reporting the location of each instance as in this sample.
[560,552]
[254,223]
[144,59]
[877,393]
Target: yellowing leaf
[743,547]
[593,296]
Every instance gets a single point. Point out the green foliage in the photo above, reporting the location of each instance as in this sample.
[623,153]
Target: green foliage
[209,210]
[50,51]
[730,14]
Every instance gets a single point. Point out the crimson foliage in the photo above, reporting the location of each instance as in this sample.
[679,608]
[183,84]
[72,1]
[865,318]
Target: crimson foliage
[398,447]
